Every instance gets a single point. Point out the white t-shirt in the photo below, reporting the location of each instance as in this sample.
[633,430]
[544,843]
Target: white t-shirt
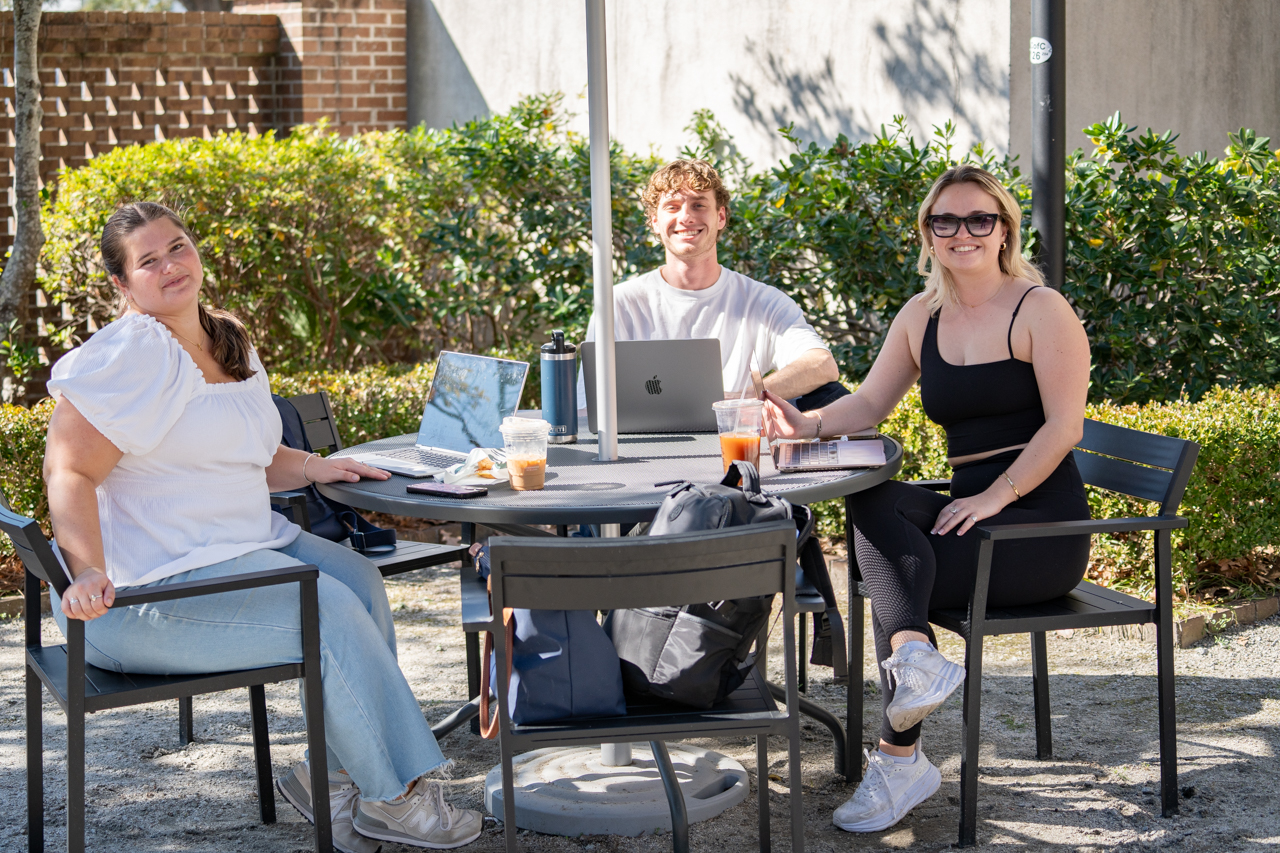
[191,488]
[744,314]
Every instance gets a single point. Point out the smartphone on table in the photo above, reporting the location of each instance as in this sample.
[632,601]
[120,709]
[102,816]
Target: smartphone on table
[447,490]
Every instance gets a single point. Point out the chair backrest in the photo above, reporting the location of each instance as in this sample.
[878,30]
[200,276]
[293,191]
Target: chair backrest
[546,573]
[317,420]
[1132,462]
[36,552]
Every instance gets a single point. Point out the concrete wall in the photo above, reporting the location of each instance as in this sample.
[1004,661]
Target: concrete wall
[1198,67]
[829,66]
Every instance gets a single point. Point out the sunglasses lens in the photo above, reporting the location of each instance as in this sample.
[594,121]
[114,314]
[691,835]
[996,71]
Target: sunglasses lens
[981,225]
[945,226]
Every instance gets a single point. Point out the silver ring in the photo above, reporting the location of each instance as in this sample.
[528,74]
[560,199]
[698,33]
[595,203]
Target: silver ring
[973,518]
[954,510]
[75,601]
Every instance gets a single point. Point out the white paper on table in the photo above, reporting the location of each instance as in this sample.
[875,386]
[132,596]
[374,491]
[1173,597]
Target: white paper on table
[485,466]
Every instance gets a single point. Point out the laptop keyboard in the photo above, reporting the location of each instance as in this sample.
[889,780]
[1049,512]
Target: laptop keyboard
[429,458]
[817,453]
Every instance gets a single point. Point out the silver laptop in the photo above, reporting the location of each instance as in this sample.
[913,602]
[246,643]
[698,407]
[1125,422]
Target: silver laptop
[469,397]
[663,386]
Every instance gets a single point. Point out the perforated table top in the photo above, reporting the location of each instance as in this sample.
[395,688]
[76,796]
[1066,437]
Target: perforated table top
[581,490]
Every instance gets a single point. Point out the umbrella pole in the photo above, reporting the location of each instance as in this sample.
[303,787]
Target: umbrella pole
[601,233]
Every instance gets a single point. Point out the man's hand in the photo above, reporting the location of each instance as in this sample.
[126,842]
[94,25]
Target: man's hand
[89,595]
[811,370]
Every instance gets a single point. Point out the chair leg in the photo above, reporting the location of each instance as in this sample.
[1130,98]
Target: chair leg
[1040,689]
[261,752]
[75,736]
[794,776]
[762,790]
[675,797]
[186,721]
[509,829]
[802,660]
[317,754]
[853,692]
[1164,676]
[969,754]
[35,763]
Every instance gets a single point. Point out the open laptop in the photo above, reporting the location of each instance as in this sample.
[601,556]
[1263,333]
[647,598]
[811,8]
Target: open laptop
[469,397]
[663,386]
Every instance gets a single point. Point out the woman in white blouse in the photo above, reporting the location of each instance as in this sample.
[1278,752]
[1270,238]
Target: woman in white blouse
[162,450]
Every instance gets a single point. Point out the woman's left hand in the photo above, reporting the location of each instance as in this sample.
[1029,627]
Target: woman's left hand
[341,469]
[963,513]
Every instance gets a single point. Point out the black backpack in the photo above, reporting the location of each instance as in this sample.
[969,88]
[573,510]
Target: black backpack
[700,653]
[329,519]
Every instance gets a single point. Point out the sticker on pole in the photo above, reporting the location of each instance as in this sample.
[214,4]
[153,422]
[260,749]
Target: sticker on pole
[1041,50]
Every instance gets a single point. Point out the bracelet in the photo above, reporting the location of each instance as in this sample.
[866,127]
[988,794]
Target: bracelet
[1009,480]
[817,435]
[308,459]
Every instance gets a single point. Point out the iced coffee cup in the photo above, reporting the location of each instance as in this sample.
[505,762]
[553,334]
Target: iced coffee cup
[526,447]
[739,423]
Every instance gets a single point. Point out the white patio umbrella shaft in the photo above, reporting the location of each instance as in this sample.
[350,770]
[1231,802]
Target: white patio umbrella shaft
[601,233]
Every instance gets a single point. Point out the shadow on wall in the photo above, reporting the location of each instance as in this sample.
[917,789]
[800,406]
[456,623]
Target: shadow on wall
[932,70]
[441,88]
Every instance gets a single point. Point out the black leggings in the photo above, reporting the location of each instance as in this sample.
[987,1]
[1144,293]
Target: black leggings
[909,571]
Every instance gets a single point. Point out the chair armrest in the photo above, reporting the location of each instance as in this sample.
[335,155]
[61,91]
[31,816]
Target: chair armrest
[297,503]
[272,577]
[1076,528]
[932,485]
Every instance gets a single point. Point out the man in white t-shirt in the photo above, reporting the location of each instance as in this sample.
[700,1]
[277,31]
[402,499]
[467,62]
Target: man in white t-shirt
[692,296]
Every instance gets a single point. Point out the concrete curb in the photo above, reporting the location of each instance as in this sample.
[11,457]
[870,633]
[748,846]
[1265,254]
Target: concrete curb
[1188,631]
[10,607]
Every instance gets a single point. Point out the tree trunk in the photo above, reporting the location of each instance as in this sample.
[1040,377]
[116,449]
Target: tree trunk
[20,272]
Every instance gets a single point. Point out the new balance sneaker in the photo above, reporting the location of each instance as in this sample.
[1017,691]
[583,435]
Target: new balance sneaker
[421,819]
[922,679]
[888,791]
[295,786]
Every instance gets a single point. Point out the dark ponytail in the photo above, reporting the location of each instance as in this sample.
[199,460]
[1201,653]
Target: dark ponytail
[231,345]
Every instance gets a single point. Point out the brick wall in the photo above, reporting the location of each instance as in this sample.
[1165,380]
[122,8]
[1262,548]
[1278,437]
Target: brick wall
[344,59]
[125,78]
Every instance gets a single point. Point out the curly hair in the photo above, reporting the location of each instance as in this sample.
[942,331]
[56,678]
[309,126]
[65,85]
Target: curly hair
[696,175]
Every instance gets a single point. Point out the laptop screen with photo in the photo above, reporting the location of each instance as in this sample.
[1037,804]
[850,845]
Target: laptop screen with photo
[469,397]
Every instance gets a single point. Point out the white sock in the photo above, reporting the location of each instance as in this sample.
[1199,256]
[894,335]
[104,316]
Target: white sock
[898,759]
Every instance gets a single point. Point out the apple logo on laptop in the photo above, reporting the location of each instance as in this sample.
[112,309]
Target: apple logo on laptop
[653,386]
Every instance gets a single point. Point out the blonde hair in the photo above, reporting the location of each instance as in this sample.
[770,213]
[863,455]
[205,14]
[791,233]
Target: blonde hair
[939,286]
[695,175]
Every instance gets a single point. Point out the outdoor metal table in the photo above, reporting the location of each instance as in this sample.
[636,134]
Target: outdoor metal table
[581,490]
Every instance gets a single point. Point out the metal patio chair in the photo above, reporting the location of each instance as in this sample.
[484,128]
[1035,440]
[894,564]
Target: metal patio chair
[1144,465]
[650,571]
[81,688]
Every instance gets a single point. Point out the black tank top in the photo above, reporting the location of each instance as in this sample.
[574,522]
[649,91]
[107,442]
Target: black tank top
[981,406]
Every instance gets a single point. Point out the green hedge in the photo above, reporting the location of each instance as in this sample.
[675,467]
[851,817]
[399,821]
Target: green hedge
[387,247]
[1231,500]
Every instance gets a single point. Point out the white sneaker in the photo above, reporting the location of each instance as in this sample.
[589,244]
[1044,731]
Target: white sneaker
[922,679]
[295,786]
[422,819]
[888,791]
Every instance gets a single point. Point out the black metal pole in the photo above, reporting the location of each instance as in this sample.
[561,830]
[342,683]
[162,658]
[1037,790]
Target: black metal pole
[1048,134]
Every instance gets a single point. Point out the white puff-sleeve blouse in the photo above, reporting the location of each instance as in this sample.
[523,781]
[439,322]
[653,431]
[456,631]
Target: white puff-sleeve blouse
[191,488]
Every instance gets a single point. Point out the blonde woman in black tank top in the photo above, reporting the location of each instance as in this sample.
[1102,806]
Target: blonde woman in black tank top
[1003,365]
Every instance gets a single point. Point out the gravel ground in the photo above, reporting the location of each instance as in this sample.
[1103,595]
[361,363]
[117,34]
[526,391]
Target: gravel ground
[1098,793]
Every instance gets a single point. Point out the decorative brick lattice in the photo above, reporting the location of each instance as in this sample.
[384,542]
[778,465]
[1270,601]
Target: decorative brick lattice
[127,78]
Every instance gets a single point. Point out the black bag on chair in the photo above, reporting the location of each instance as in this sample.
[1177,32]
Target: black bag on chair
[698,654]
[329,519]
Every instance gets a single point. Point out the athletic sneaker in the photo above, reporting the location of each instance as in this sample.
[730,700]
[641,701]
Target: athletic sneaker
[422,819]
[922,679]
[295,786]
[888,791]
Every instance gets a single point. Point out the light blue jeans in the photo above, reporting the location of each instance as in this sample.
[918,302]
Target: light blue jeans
[373,725]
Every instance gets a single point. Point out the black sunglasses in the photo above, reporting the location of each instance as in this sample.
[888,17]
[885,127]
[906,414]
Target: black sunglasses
[946,225]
